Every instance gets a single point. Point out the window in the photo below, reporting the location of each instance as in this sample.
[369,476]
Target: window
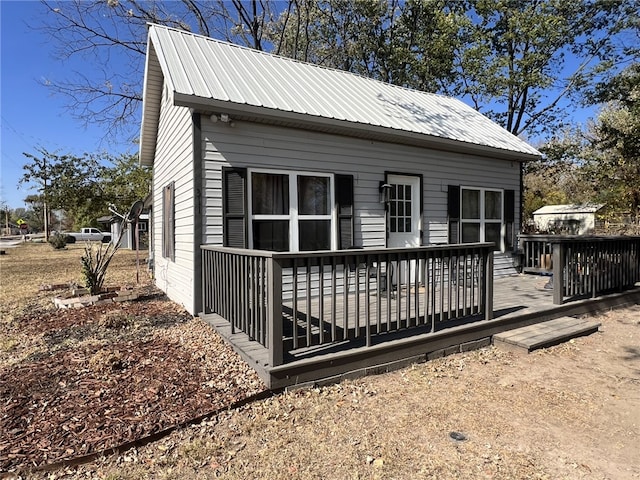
[400,209]
[168,222]
[291,211]
[286,211]
[481,213]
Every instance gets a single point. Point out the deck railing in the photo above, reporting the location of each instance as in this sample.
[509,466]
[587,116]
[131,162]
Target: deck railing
[583,266]
[311,301]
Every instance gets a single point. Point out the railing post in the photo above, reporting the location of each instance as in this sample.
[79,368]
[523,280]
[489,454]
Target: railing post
[274,311]
[558,272]
[204,260]
[488,286]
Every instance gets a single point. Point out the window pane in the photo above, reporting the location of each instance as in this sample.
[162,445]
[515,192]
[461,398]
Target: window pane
[271,235]
[470,204]
[493,205]
[470,232]
[407,225]
[407,192]
[492,233]
[270,194]
[314,235]
[313,195]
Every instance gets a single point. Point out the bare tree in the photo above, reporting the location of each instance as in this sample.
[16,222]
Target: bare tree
[110,37]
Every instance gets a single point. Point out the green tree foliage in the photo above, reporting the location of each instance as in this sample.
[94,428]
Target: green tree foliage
[512,63]
[559,177]
[32,215]
[84,186]
[615,164]
[64,181]
[407,43]
[123,181]
[508,58]
[597,164]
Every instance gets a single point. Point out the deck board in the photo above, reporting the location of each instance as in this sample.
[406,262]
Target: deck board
[519,301]
[551,332]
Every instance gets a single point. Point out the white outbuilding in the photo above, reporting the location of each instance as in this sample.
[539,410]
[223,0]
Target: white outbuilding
[572,219]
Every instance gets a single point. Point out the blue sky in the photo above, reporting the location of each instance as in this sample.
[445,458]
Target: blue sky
[31,116]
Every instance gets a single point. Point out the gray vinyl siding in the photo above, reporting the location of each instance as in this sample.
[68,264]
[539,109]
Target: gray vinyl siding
[174,163]
[255,145]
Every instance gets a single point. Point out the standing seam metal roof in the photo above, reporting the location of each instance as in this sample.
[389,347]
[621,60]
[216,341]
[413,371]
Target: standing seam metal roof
[210,69]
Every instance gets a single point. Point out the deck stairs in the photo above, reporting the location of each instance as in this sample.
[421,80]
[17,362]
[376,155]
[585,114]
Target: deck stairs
[545,334]
[503,265]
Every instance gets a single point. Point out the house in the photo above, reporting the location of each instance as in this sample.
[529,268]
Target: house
[255,151]
[113,224]
[573,219]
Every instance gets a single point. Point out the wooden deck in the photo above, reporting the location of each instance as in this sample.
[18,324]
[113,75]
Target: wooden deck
[545,334]
[517,301]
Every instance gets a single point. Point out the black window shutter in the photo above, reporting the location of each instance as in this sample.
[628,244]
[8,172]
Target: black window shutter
[509,217]
[453,211]
[234,207]
[344,204]
[168,222]
[509,205]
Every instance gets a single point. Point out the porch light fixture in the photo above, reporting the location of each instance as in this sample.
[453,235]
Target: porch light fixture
[223,117]
[385,192]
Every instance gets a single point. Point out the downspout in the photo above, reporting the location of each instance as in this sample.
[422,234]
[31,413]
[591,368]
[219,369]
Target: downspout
[197,212]
[521,207]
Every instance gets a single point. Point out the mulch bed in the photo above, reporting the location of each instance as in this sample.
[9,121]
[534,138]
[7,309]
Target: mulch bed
[109,375]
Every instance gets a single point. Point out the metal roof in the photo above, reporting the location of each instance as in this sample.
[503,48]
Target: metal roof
[216,76]
[569,208]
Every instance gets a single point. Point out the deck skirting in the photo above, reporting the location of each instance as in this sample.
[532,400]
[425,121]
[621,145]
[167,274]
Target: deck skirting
[399,349]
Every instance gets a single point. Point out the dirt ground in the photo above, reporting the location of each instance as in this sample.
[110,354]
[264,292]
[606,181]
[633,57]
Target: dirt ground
[567,412]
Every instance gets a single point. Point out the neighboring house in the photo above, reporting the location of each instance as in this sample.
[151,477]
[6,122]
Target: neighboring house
[113,224]
[128,240]
[567,219]
[256,151]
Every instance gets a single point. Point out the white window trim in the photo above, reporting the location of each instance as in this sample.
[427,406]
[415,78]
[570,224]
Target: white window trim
[293,216]
[482,220]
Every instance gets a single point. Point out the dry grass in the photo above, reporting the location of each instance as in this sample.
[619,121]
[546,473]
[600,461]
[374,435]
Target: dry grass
[79,381]
[567,412]
[25,268]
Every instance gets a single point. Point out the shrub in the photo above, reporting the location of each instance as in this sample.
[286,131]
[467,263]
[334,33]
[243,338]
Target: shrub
[95,262]
[59,241]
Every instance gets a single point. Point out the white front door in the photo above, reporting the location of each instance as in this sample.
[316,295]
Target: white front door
[403,218]
[403,221]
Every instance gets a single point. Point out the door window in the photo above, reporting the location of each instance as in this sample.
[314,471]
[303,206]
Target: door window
[400,209]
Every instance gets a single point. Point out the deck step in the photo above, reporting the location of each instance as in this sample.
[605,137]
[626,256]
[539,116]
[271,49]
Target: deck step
[545,334]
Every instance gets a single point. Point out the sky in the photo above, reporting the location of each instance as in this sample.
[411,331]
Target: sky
[31,117]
